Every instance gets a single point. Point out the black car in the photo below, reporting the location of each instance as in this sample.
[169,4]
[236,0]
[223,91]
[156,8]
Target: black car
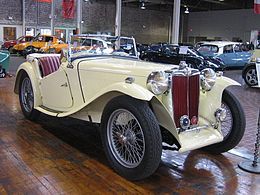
[173,54]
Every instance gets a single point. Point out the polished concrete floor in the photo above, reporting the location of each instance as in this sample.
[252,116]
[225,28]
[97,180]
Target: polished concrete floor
[65,156]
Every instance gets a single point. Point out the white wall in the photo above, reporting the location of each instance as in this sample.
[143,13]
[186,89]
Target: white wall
[19,31]
[225,24]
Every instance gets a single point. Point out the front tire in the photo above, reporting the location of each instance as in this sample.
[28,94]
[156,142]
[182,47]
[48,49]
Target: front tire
[250,76]
[26,98]
[131,137]
[233,127]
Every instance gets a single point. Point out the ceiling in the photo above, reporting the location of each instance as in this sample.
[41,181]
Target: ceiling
[193,5]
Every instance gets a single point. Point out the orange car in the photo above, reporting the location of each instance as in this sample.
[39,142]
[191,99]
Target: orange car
[86,43]
[37,43]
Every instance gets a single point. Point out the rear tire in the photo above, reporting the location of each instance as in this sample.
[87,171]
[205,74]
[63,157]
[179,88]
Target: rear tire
[131,137]
[232,128]
[26,98]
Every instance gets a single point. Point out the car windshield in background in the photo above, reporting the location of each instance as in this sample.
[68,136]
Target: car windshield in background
[89,45]
[208,49]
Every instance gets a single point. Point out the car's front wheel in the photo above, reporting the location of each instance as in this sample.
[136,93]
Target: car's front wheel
[233,127]
[26,97]
[131,137]
[250,76]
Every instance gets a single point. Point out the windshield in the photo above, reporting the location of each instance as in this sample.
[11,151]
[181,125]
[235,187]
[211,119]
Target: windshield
[98,45]
[208,49]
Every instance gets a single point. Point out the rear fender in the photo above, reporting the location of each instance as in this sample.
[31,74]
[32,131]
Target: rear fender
[27,68]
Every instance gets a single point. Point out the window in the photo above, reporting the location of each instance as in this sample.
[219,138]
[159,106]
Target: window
[9,33]
[48,39]
[238,48]
[228,49]
[208,48]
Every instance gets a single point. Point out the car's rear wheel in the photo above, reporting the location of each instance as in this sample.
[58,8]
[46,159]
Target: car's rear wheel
[250,76]
[233,127]
[11,50]
[26,97]
[131,137]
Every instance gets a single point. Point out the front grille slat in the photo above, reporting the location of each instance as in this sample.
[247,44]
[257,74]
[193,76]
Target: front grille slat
[185,93]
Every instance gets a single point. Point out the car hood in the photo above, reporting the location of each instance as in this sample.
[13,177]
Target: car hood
[119,65]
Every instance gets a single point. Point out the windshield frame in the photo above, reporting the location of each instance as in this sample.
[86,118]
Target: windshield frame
[108,39]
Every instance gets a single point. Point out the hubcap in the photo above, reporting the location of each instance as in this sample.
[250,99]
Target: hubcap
[126,139]
[227,124]
[27,95]
[251,77]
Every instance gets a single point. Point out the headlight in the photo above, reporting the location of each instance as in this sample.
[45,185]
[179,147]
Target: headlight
[208,79]
[157,82]
[252,60]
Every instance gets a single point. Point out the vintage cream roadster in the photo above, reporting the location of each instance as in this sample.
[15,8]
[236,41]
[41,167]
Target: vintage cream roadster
[139,105]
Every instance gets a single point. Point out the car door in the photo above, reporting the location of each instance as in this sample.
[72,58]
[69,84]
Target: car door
[242,56]
[56,92]
[229,56]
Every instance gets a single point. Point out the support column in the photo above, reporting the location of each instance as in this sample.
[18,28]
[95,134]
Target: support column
[79,16]
[118,18]
[23,31]
[52,17]
[176,21]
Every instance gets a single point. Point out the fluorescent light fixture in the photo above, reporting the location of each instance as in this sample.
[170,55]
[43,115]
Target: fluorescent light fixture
[186,10]
[143,6]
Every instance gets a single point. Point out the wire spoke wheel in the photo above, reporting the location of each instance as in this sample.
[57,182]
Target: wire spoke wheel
[126,138]
[26,98]
[227,124]
[27,95]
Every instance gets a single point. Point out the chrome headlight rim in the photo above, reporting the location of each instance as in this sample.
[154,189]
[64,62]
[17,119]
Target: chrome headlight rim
[157,82]
[208,79]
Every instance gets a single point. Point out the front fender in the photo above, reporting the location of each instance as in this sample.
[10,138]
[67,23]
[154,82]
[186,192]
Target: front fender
[210,101]
[133,90]
[111,91]
[27,68]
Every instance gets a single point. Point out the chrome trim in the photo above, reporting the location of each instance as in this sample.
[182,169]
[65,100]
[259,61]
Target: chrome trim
[184,117]
[129,80]
[197,128]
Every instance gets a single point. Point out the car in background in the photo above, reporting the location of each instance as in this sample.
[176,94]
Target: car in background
[138,104]
[53,48]
[4,62]
[171,54]
[35,44]
[251,72]
[230,53]
[11,43]
[79,42]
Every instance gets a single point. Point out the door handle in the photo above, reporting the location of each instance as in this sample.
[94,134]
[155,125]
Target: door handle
[64,85]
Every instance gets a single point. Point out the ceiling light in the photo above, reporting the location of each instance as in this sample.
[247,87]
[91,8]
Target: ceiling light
[143,6]
[186,10]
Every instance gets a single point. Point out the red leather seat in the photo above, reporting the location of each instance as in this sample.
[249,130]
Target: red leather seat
[49,64]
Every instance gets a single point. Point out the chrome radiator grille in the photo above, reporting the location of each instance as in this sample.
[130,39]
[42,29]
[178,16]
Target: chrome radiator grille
[185,94]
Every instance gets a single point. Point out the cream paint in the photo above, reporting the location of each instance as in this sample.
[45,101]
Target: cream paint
[101,81]
[58,96]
